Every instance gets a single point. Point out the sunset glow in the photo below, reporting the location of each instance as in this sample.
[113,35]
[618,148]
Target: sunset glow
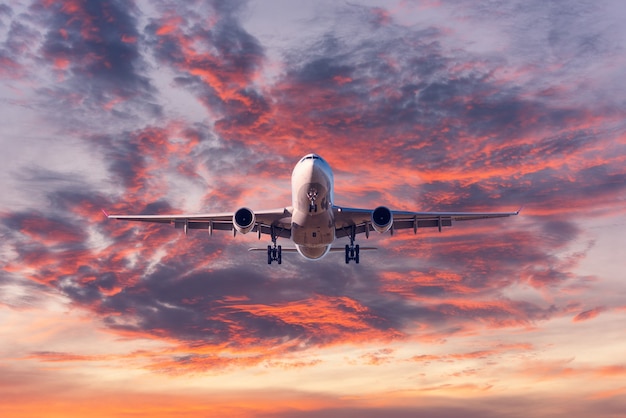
[153,107]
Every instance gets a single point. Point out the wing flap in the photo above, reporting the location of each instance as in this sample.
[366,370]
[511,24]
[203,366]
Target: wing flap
[421,223]
[215,225]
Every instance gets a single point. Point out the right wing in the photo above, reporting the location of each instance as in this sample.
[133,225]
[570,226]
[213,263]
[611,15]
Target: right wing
[277,221]
[360,220]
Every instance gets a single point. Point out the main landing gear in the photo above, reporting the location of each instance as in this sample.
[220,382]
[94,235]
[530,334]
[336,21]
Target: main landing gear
[274,252]
[352,251]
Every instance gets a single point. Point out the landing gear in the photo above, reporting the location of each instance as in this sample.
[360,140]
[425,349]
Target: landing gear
[274,252]
[312,195]
[352,251]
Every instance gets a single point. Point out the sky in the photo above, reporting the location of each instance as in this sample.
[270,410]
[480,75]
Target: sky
[152,107]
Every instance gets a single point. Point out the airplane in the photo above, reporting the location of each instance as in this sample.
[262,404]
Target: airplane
[313,221]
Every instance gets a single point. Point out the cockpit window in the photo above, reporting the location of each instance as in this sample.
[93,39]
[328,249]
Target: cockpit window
[310,157]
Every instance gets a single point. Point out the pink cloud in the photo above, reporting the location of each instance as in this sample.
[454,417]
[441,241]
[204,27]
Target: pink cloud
[589,314]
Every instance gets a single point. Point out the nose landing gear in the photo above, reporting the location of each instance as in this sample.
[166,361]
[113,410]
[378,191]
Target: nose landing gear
[312,195]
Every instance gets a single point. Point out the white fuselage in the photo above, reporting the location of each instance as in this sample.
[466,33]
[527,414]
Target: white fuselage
[313,224]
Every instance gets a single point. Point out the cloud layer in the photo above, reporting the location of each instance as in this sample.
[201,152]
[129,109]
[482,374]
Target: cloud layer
[163,107]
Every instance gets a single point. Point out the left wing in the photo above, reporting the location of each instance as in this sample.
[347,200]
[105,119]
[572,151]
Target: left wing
[360,220]
[276,220]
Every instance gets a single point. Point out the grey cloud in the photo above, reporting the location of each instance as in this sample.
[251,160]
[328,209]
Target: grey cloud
[94,52]
[99,33]
[5,10]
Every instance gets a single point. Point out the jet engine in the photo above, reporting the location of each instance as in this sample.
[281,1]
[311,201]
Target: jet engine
[382,219]
[243,220]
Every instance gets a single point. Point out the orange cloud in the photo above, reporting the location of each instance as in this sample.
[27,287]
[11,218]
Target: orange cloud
[327,319]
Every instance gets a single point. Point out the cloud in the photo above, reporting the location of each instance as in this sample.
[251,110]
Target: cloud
[589,314]
[218,61]
[399,91]
[187,108]
[80,58]
[97,42]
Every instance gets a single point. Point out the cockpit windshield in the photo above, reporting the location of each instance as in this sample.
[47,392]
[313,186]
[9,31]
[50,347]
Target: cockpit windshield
[310,157]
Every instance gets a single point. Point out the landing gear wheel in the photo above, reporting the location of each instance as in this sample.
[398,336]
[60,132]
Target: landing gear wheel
[352,253]
[274,253]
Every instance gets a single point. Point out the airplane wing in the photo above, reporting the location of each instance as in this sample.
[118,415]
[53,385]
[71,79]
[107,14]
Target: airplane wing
[278,219]
[360,220]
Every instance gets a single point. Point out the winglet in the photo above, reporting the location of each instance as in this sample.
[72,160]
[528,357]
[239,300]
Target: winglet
[105,213]
[519,210]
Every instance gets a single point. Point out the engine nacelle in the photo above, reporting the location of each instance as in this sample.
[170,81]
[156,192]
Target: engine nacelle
[243,220]
[382,219]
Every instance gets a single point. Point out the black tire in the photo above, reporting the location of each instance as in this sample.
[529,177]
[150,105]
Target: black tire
[356,255]
[280,255]
[347,254]
[269,254]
